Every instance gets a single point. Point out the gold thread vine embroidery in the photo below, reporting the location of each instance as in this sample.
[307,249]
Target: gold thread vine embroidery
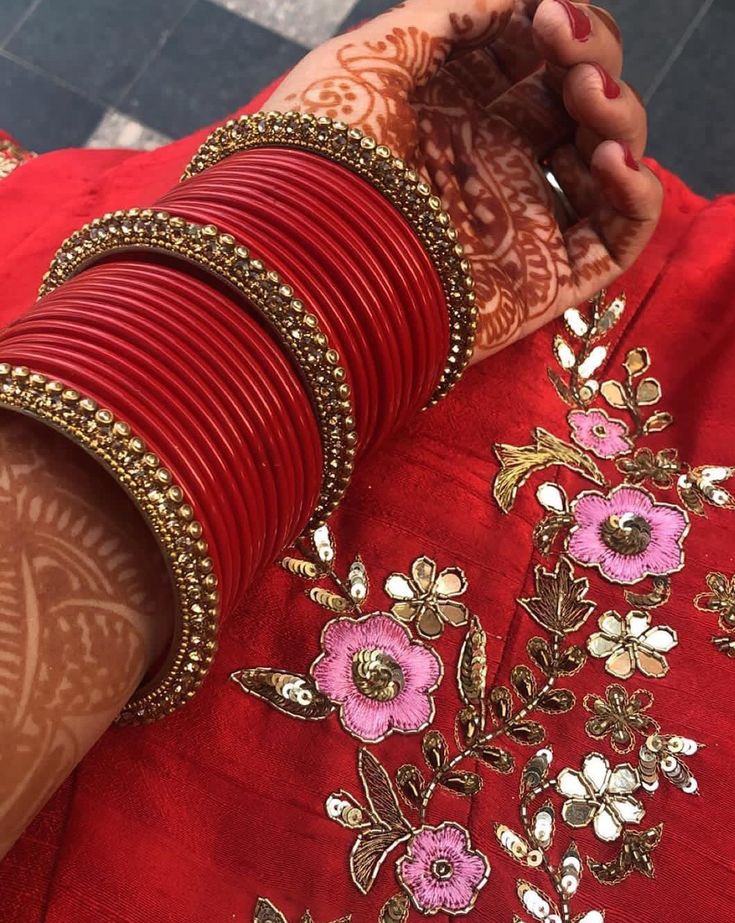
[267,912]
[391,819]
[402,187]
[298,330]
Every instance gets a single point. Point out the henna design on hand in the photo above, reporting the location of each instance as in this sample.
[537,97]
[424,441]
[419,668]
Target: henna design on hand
[454,109]
[371,84]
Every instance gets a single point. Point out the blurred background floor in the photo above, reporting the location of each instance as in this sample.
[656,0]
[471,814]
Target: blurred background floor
[134,73]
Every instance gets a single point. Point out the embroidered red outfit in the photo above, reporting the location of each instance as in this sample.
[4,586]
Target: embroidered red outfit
[196,818]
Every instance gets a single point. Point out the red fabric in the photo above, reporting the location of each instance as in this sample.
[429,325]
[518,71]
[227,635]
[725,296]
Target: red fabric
[189,821]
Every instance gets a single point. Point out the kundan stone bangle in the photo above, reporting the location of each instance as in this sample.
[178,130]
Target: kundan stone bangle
[167,511]
[402,186]
[298,330]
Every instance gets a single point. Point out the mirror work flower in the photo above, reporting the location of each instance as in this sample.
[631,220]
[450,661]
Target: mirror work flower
[600,795]
[631,643]
[428,598]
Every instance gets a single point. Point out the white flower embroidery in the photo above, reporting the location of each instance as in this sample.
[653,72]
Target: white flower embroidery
[632,642]
[601,795]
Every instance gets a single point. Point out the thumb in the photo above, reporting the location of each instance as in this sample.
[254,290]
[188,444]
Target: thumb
[351,76]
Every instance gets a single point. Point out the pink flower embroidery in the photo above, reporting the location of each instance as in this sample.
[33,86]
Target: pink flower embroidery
[595,431]
[378,674]
[627,534]
[441,871]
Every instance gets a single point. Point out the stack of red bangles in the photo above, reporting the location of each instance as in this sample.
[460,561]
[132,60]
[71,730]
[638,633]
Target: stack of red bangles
[227,352]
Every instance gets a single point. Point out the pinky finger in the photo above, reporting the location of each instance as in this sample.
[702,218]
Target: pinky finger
[612,237]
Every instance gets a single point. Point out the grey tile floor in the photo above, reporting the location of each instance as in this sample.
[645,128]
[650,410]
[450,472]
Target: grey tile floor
[137,72]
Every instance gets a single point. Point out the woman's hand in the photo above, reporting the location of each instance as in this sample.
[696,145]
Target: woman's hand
[476,94]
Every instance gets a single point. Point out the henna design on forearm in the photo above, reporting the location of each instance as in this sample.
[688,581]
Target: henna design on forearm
[81,587]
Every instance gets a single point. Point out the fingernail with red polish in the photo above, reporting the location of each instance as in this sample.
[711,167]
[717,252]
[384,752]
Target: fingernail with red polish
[609,87]
[628,157]
[579,21]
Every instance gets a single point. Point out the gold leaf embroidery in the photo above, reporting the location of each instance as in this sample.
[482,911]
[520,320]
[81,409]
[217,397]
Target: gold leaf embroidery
[266,912]
[292,693]
[329,600]
[637,361]
[659,595]
[357,581]
[300,568]
[395,909]
[634,856]
[496,758]
[560,605]
[461,782]
[518,463]
[472,667]
[368,854]
[435,749]
[379,792]
[411,784]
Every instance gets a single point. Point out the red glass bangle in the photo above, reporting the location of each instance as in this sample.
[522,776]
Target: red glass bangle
[369,299]
[230,266]
[283,174]
[388,233]
[285,395]
[313,287]
[260,229]
[286,496]
[47,348]
[347,150]
[195,442]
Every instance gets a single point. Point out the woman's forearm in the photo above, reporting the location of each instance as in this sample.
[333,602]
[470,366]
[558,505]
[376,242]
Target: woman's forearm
[85,608]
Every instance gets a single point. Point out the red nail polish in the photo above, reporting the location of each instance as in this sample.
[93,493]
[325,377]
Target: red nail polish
[609,87]
[628,157]
[579,21]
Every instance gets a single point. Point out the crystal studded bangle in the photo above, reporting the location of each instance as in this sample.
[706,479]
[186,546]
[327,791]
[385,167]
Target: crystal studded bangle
[167,511]
[402,186]
[206,247]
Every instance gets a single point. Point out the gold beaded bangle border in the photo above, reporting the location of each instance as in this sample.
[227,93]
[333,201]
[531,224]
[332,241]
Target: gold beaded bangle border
[163,504]
[402,186]
[299,330]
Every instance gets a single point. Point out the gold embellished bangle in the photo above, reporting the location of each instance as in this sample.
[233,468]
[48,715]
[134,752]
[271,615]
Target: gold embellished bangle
[167,512]
[298,329]
[402,186]
[12,156]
